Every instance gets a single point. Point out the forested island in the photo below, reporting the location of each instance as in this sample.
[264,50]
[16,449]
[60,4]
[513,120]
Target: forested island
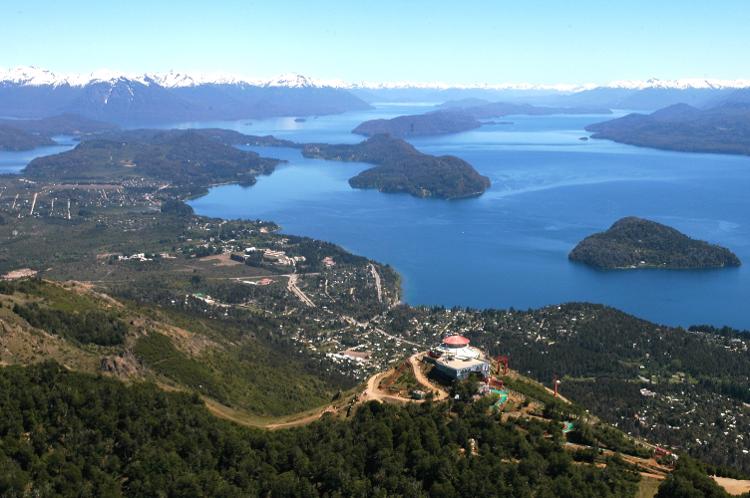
[458,116]
[499,109]
[27,134]
[403,169]
[418,125]
[724,129]
[638,243]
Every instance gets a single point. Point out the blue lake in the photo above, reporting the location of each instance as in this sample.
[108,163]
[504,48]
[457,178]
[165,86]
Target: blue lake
[15,161]
[509,247]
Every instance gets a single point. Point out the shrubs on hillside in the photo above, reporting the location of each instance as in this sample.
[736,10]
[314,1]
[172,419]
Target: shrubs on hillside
[86,327]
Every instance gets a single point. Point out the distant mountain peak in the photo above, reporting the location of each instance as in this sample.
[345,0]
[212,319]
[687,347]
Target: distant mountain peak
[28,75]
[680,84]
[291,80]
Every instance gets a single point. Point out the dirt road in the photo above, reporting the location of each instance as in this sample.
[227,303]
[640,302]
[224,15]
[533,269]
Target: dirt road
[372,391]
[440,393]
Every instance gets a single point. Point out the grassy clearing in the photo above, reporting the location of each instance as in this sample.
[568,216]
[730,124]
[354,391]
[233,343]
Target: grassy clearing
[647,487]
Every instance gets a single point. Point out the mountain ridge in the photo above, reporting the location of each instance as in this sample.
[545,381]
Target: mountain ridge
[141,99]
[35,76]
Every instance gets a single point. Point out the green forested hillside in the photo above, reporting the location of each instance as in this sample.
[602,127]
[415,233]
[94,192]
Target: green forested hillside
[235,362]
[15,139]
[69,434]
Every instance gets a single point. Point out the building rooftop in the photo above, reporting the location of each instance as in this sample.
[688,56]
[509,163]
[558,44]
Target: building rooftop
[458,364]
[456,340]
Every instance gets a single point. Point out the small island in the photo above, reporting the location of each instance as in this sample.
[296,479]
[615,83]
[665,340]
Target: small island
[400,168]
[638,243]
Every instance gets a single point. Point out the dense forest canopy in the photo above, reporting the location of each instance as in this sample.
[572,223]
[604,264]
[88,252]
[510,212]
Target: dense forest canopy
[637,243]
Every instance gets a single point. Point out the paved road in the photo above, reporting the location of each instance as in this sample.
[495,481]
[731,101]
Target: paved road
[395,338]
[378,285]
[292,287]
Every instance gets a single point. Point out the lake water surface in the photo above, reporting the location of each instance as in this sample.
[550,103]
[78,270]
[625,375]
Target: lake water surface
[509,247]
[15,161]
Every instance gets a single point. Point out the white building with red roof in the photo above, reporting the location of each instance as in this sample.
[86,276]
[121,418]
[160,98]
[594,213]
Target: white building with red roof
[458,347]
[456,359]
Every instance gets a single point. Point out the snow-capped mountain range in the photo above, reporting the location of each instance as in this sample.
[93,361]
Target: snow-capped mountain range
[33,76]
[680,84]
[174,97]
[166,98]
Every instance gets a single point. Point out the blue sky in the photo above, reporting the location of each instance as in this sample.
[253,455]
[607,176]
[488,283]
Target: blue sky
[456,41]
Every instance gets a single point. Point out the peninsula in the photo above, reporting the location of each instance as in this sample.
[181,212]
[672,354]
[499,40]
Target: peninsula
[724,129]
[637,243]
[190,160]
[27,134]
[400,168]
[13,139]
